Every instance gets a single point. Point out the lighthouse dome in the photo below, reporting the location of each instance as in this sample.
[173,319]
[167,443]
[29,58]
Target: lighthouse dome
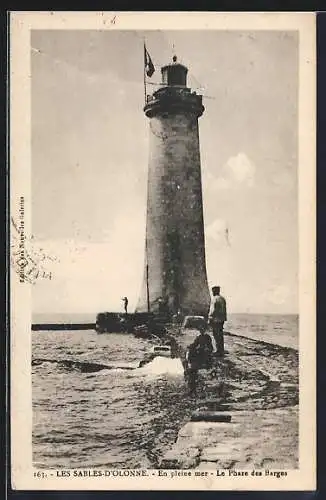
[174,73]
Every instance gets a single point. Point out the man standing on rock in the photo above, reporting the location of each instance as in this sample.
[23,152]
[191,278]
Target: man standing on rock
[216,318]
[125,304]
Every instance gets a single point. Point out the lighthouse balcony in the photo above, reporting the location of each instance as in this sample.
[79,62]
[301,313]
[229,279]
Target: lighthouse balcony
[172,99]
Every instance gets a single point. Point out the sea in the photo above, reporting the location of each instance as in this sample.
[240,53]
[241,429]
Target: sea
[93,406]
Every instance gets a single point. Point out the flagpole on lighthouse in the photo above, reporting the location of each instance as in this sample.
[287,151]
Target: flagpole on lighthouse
[146,252]
[149,68]
[145,93]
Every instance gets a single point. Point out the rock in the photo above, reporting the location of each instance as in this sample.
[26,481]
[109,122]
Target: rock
[210,416]
[180,458]
[219,452]
[205,434]
[274,381]
[214,404]
[193,322]
[206,466]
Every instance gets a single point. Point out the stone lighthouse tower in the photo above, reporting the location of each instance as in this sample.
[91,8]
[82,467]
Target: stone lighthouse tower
[175,267]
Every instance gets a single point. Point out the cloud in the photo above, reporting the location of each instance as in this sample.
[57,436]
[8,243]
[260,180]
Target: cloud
[221,183]
[284,180]
[242,169]
[217,231]
[278,295]
[238,171]
[93,276]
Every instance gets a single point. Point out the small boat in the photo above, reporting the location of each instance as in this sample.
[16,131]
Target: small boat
[162,350]
[150,329]
[107,322]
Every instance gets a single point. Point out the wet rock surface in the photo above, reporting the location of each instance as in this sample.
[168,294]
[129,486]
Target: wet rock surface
[256,385]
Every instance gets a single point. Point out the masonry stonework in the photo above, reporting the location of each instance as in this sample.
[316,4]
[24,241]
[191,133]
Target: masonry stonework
[175,266]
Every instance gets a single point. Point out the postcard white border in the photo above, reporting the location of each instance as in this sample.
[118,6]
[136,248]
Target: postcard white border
[21,24]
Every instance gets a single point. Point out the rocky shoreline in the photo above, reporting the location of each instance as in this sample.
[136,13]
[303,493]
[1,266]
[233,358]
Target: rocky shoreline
[246,410]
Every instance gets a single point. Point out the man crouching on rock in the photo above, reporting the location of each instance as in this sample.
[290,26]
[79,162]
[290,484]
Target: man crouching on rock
[199,356]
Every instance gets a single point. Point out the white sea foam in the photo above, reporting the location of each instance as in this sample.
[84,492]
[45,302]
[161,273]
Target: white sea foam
[161,365]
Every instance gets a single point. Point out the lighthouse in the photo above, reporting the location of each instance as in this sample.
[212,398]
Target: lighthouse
[175,277]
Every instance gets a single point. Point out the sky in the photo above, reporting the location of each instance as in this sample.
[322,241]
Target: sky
[90,160]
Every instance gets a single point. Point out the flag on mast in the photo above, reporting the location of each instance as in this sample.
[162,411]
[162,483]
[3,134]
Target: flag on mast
[149,66]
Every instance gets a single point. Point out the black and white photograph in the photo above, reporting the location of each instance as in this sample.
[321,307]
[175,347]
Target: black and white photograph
[162,251]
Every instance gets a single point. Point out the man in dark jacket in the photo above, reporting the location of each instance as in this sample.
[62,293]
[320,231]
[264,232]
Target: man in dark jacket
[200,351]
[199,357]
[216,317]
